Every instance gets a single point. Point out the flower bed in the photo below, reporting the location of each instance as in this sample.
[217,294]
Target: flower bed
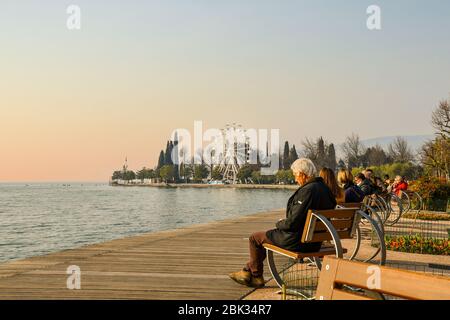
[427,216]
[418,244]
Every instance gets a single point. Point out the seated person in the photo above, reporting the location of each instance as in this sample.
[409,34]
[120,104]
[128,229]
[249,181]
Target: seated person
[368,173]
[380,186]
[353,194]
[364,184]
[387,180]
[312,194]
[399,185]
[330,180]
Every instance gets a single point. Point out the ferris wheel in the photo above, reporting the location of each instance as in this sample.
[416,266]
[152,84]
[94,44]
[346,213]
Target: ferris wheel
[235,151]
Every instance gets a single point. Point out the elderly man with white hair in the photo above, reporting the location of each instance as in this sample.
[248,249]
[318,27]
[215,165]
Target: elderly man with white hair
[312,194]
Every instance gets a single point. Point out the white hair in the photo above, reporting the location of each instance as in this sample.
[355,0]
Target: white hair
[304,166]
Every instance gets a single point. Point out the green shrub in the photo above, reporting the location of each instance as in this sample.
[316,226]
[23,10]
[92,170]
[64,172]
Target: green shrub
[408,170]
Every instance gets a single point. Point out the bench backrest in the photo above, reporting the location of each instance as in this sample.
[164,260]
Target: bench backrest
[350,205]
[343,220]
[394,282]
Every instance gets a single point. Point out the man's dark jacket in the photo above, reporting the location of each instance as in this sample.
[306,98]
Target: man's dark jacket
[314,195]
[366,187]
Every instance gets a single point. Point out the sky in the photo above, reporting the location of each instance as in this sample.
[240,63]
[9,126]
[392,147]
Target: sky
[75,103]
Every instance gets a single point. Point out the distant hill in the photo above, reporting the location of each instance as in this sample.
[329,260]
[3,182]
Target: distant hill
[415,142]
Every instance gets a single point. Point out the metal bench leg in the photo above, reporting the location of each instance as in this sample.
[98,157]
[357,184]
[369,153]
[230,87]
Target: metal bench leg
[273,269]
[380,235]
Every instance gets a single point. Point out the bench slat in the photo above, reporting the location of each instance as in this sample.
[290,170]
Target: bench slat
[298,255]
[337,224]
[351,205]
[347,213]
[326,236]
[394,282]
[345,295]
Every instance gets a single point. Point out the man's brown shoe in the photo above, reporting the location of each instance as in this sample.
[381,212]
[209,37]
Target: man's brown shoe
[257,282]
[242,277]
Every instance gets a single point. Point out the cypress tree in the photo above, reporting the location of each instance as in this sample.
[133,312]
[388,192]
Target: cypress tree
[176,160]
[160,160]
[321,156]
[331,157]
[168,154]
[293,155]
[286,156]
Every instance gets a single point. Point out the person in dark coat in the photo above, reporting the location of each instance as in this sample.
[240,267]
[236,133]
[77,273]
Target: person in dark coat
[353,194]
[313,194]
[364,184]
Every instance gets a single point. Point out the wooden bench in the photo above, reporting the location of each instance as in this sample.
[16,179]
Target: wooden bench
[376,223]
[338,275]
[320,226]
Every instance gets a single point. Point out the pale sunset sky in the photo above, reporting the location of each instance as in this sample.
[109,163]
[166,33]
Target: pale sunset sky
[74,103]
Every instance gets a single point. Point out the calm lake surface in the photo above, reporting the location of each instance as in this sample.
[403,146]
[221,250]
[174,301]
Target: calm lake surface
[36,219]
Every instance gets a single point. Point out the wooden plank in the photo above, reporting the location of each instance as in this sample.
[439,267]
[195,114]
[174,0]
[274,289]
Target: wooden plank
[345,295]
[298,255]
[188,263]
[327,275]
[356,205]
[394,282]
[347,213]
[326,236]
[337,224]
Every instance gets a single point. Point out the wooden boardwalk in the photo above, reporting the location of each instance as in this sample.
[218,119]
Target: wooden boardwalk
[189,263]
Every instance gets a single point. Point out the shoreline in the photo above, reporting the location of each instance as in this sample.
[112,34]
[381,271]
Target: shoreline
[217,186]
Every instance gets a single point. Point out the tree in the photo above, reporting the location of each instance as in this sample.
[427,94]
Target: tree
[145,174]
[321,157]
[245,173]
[166,173]
[129,175]
[440,118]
[168,153]
[375,156]
[186,172]
[320,153]
[117,175]
[293,155]
[286,156]
[257,177]
[284,176]
[141,174]
[435,157]
[400,151]
[216,174]
[353,151]
[200,172]
[310,149]
[331,157]
[175,161]
[160,160]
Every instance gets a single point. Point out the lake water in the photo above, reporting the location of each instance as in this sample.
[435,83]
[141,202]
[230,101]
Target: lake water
[37,219]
